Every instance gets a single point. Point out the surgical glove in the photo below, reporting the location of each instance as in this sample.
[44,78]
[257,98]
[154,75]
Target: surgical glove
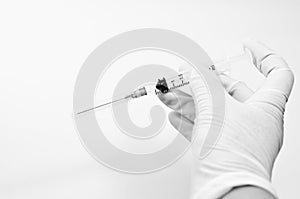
[252,130]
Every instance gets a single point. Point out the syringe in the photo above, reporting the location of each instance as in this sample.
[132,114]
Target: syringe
[165,85]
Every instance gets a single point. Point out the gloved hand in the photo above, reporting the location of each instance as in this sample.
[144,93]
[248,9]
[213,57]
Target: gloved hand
[252,131]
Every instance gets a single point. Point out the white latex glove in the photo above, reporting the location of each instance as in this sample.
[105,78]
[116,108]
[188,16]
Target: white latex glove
[252,132]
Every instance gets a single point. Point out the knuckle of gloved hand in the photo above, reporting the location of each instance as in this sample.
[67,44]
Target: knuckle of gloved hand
[272,63]
[290,77]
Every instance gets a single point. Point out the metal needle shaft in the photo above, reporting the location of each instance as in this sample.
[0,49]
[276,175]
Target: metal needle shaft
[99,106]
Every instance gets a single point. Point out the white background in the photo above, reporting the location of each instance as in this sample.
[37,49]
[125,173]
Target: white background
[42,47]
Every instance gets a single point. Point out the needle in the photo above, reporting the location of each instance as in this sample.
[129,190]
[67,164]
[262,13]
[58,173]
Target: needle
[90,109]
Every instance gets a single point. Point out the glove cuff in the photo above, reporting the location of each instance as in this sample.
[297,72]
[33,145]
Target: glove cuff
[224,183]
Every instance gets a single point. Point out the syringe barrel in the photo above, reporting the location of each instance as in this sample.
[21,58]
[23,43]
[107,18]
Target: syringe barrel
[139,93]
